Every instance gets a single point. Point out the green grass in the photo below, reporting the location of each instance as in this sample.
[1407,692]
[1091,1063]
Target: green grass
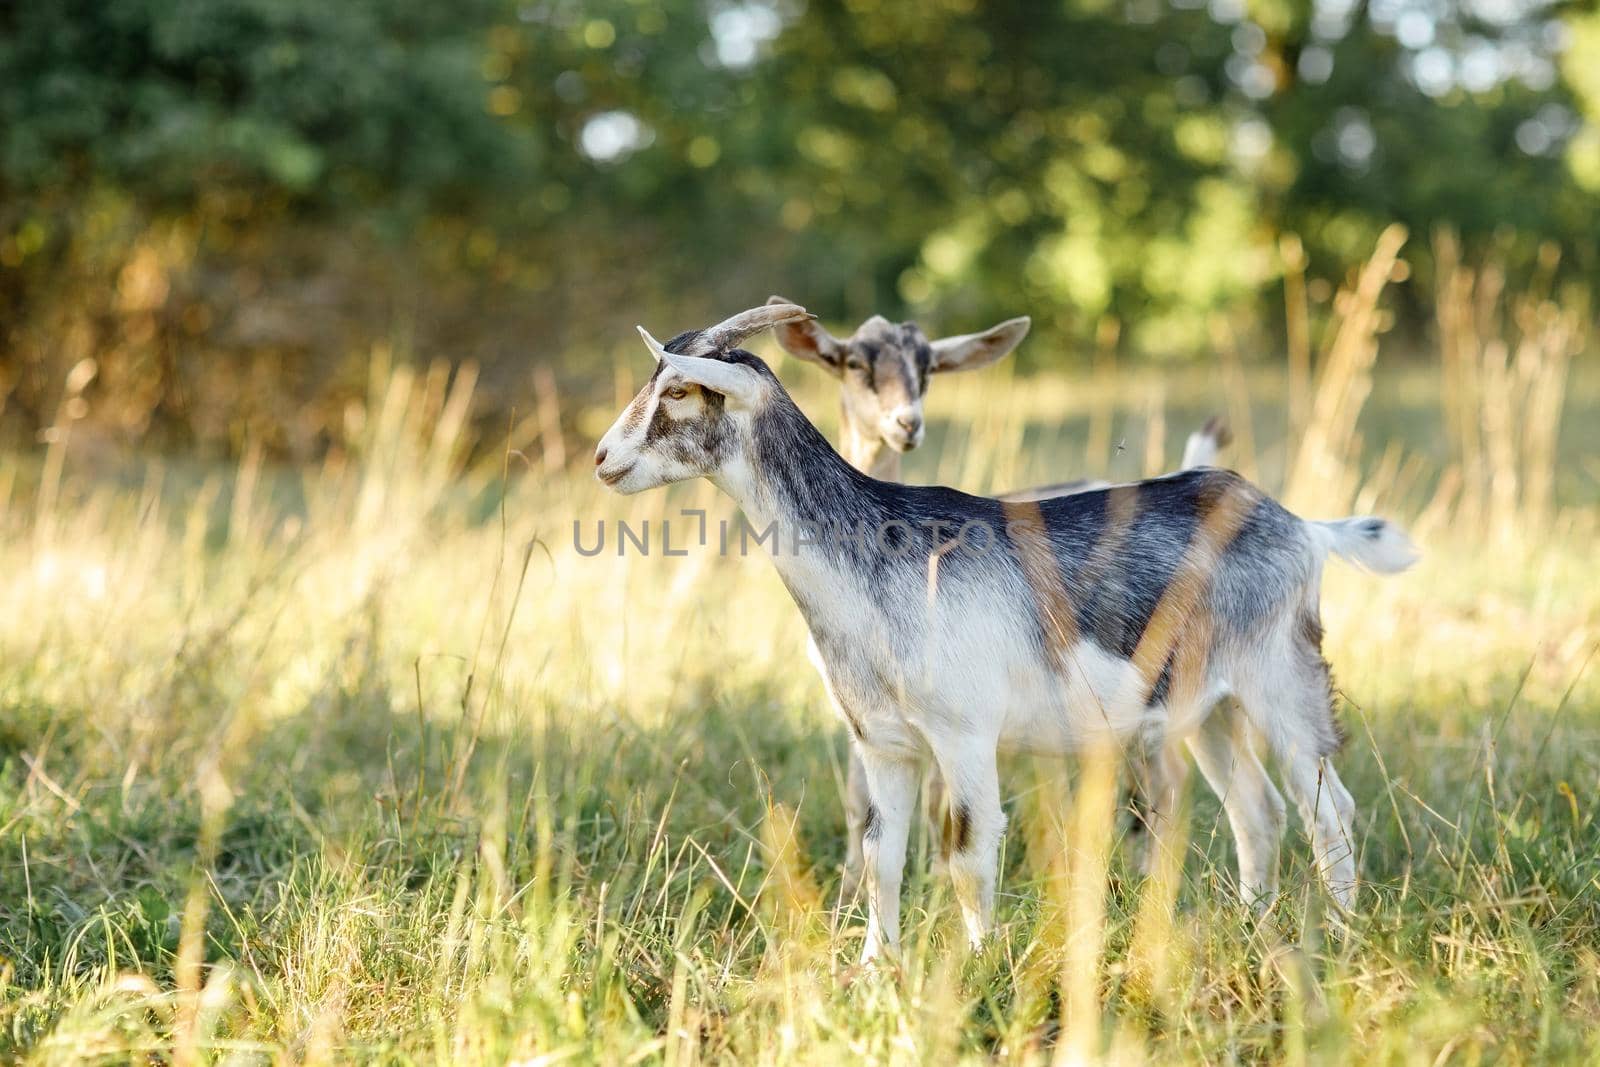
[373,766]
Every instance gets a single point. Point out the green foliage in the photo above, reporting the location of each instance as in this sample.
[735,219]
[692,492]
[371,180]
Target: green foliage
[323,103]
[469,176]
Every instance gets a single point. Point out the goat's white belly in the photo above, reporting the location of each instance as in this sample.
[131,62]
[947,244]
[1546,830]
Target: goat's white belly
[1098,698]
[1002,693]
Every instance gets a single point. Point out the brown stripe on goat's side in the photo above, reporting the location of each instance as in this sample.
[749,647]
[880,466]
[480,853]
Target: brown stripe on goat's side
[1026,529]
[1122,505]
[1182,615]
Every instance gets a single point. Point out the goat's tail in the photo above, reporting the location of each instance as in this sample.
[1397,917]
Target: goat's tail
[1203,446]
[1372,543]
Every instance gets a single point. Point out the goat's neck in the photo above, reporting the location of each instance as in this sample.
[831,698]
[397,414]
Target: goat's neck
[864,449]
[791,478]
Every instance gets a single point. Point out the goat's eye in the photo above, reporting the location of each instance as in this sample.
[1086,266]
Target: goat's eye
[855,364]
[677,392]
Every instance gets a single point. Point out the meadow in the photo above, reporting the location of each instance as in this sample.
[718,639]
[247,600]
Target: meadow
[366,762]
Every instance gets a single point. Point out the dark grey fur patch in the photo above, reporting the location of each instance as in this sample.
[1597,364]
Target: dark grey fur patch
[1163,686]
[915,342]
[1143,814]
[706,437]
[892,356]
[682,343]
[1115,570]
[867,367]
[1311,631]
[873,825]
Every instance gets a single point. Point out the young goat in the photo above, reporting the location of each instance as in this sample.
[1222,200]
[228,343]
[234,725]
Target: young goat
[1119,615]
[883,370]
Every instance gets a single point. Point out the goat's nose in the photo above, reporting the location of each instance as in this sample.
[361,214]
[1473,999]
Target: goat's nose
[599,455]
[908,422]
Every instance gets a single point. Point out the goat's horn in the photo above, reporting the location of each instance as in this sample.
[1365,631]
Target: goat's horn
[729,332]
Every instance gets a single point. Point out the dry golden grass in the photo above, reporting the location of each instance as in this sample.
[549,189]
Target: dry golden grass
[368,762]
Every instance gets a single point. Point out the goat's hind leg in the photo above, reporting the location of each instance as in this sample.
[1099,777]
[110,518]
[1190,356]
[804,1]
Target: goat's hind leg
[1292,706]
[1160,775]
[1226,755]
[1328,811]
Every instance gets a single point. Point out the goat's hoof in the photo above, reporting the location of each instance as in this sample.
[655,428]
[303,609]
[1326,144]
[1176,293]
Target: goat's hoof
[875,969]
[883,963]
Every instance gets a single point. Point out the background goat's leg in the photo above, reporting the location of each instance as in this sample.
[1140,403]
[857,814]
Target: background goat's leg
[856,802]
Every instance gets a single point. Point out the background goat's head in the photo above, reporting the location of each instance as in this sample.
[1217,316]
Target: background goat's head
[883,371]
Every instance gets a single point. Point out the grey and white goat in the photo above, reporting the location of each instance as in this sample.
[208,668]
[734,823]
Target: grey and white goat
[1124,615]
[884,370]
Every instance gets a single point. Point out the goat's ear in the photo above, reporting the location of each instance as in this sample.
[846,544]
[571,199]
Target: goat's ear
[807,340]
[742,386]
[973,350]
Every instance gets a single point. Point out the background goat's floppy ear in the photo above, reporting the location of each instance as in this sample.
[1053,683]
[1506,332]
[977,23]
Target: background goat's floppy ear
[972,350]
[806,339]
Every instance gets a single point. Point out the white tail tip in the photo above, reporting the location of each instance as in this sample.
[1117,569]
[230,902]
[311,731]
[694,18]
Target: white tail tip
[1375,544]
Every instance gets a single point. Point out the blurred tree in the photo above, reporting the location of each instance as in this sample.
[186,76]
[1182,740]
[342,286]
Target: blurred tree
[218,200]
[1075,160]
[141,138]
[324,104]
[1423,113]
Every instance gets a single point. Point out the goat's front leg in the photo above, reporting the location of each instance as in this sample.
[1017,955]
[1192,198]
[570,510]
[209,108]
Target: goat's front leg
[892,803]
[973,826]
[857,802]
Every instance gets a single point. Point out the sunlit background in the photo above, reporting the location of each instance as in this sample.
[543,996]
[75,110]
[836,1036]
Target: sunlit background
[227,204]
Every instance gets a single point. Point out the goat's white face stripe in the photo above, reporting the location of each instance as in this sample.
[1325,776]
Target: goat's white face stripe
[624,460]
